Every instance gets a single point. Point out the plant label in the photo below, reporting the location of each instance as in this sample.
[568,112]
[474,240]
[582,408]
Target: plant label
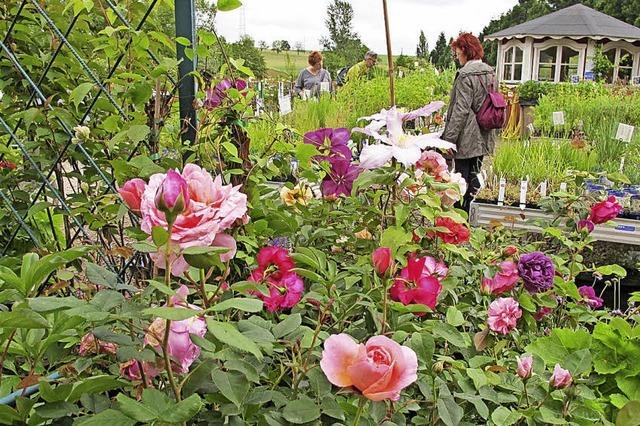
[636,80]
[563,187]
[625,132]
[543,188]
[523,194]
[501,191]
[306,94]
[622,164]
[558,118]
[324,86]
[284,103]
[480,179]
[531,128]
[575,79]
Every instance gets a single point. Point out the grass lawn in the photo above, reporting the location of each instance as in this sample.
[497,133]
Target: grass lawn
[290,63]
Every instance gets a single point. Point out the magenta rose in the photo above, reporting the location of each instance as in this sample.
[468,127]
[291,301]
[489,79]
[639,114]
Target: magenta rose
[605,210]
[380,369]
[504,280]
[503,315]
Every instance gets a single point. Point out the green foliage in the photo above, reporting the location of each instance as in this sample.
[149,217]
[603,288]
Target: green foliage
[246,49]
[441,56]
[602,66]
[532,90]
[422,49]
[343,47]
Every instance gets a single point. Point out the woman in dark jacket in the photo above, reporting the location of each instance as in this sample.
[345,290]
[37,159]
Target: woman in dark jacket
[469,91]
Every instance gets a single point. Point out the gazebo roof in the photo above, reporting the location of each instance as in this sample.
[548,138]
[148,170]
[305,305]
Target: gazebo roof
[575,22]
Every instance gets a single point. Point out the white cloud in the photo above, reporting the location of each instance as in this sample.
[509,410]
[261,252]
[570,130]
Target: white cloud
[303,20]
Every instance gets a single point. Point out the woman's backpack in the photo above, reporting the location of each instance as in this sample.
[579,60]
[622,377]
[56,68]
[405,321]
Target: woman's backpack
[341,77]
[493,111]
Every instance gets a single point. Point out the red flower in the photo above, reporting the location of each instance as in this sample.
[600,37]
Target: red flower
[457,233]
[414,286]
[273,262]
[605,210]
[381,258]
[6,164]
[274,268]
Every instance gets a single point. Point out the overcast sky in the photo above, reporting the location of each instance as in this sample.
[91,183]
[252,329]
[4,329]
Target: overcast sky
[303,20]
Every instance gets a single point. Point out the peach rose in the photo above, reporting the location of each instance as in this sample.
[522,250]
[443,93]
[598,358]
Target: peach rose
[380,369]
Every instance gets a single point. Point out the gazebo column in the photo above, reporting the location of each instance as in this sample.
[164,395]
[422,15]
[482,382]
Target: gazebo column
[590,53]
[527,60]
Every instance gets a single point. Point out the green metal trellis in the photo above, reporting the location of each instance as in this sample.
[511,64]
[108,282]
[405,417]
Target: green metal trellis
[68,151]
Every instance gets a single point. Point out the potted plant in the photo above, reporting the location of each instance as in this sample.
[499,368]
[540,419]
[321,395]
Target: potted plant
[530,92]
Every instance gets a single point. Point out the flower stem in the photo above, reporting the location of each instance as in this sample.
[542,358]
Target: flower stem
[205,302]
[167,324]
[526,395]
[361,404]
[384,306]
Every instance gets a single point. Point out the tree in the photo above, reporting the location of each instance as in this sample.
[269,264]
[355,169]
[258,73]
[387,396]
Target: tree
[281,45]
[299,46]
[441,56]
[343,46]
[263,45]
[245,49]
[422,50]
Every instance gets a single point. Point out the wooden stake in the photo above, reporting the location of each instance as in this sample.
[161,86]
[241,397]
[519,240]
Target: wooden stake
[392,92]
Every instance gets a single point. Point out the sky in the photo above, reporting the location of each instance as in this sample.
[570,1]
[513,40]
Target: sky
[303,21]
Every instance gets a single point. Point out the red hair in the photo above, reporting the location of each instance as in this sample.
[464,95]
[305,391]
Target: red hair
[314,58]
[469,45]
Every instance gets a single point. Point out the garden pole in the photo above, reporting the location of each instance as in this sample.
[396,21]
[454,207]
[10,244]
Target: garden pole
[392,92]
[186,27]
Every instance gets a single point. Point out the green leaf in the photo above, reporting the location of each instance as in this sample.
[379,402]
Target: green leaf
[526,302]
[241,304]
[79,93]
[23,318]
[140,93]
[173,314]
[204,257]
[394,237]
[138,132]
[612,270]
[629,415]
[578,362]
[234,386]
[228,334]
[227,5]
[302,410]
[183,41]
[134,409]
[450,334]
[95,384]
[55,410]
[502,416]
[559,345]
[101,276]
[8,415]
[289,325]
[449,411]
[478,377]
[183,410]
[424,346]
[159,235]
[231,149]
[107,417]
[454,316]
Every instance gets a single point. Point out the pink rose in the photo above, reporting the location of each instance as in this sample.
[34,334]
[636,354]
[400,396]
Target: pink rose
[89,344]
[213,208]
[380,369]
[452,195]
[586,225]
[542,312]
[503,315]
[382,259]
[181,349]
[131,370]
[504,280]
[524,366]
[434,164]
[605,210]
[172,196]
[560,378]
[131,192]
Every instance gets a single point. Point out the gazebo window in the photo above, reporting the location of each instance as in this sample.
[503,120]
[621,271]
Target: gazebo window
[547,64]
[569,63]
[512,70]
[622,61]
[558,63]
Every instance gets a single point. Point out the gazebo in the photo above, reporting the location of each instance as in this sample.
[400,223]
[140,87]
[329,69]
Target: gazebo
[560,47]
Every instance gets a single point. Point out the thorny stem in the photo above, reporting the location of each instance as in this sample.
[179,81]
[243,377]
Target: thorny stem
[303,367]
[384,306]
[203,278]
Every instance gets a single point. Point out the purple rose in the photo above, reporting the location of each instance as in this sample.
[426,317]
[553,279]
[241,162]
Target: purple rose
[537,271]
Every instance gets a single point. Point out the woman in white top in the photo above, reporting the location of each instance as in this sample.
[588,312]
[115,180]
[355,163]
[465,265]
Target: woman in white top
[310,79]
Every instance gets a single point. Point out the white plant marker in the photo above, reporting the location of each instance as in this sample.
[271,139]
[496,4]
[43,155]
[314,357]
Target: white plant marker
[501,191]
[523,193]
[558,118]
[543,188]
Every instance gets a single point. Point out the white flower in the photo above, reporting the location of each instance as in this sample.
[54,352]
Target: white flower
[82,132]
[405,148]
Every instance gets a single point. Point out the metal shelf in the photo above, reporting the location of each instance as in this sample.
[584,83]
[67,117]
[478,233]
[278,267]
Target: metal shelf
[625,231]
